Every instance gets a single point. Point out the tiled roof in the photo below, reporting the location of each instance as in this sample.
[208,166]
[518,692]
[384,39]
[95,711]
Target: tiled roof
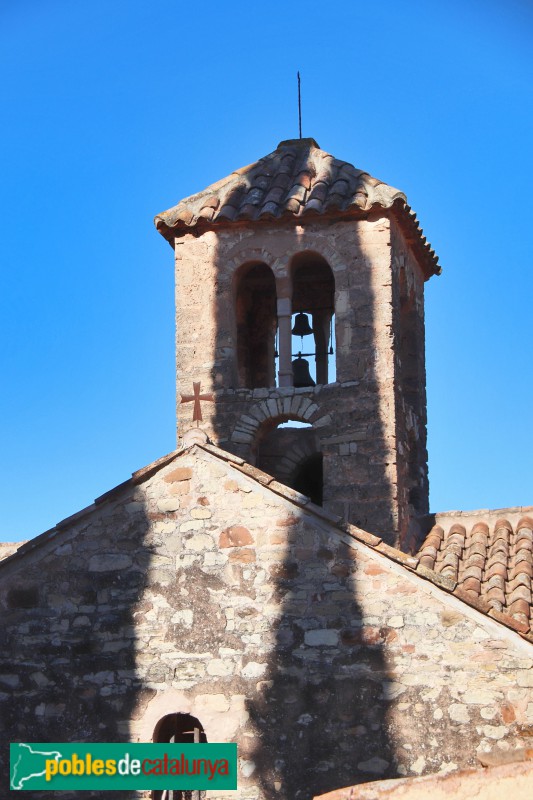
[297,180]
[491,561]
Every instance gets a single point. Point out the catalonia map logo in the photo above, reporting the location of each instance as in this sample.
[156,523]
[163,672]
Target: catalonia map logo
[27,764]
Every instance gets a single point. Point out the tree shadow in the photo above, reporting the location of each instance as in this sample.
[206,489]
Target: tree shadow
[69,600]
[319,715]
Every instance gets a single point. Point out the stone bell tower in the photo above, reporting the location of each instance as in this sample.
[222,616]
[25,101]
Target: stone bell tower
[300,299]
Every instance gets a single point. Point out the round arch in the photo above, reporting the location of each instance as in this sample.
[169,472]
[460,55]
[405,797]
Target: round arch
[219,724]
[292,455]
[276,410]
[313,297]
[255,304]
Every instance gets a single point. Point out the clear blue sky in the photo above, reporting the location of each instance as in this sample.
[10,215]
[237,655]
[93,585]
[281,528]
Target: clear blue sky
[113,111]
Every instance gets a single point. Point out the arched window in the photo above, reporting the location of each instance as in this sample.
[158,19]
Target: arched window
[313,295]
[178,729]
[255,306]
[290,452]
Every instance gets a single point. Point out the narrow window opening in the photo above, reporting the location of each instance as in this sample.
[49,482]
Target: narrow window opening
[313,321]
[256,326]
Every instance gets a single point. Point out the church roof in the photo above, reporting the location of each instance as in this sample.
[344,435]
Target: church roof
[489,560]
[298,180]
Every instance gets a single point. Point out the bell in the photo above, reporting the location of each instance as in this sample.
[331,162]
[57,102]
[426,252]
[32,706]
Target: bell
[301,376]
[301,325]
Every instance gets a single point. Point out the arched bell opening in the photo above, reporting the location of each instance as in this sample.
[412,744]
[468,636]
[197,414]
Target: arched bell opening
[178,729]
[289,450]
[313,306]
[256,321]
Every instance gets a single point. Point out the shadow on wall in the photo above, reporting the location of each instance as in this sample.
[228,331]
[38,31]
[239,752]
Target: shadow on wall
[319,716]
[293,456]
[68,637]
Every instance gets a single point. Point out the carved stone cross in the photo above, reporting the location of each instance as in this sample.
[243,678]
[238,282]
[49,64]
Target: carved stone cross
[195,398]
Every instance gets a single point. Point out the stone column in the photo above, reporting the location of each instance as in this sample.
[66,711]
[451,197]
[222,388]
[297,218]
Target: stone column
[321,326]
[285,343]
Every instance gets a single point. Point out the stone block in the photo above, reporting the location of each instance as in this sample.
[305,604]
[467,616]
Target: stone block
[168,504]
[321,637]
[109,562]
[375,765]
[191,525]
[459,712]
[243,555]
[235,536]
[218,703]
[200,541]
[220,667]
[201,513]
[178,474]
[254,669]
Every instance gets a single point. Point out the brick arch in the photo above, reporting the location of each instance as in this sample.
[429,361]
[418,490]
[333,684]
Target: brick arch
[276,409]
[328,253]
[242,255]
[219,726]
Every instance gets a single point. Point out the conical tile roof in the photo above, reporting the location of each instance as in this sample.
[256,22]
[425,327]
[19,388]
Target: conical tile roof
[297,180]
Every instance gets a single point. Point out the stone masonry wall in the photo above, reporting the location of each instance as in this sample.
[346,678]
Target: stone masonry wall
[410,389]
[198,590]
[359,428]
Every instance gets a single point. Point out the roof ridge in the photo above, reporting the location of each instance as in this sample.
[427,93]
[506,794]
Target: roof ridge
[414,564]
[137,477]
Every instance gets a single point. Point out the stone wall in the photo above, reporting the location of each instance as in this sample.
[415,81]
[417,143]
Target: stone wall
[410,392]
[8,548]
[199,590]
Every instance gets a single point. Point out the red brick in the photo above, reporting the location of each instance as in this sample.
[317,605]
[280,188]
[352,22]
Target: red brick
[242,555]
[236,536]
[179,474]
[374,569]
[507,712]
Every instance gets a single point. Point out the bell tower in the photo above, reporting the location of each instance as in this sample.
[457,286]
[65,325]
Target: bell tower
[300,332]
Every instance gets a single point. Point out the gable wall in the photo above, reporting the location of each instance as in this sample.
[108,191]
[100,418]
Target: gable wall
[201,591]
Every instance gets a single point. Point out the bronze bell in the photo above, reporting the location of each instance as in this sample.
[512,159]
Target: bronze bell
[301,325]
[301,376]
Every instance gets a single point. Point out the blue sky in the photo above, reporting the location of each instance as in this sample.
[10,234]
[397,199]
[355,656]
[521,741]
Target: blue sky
[112,112]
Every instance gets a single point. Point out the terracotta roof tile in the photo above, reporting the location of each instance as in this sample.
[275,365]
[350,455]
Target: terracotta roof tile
[492,563]
[297,179]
